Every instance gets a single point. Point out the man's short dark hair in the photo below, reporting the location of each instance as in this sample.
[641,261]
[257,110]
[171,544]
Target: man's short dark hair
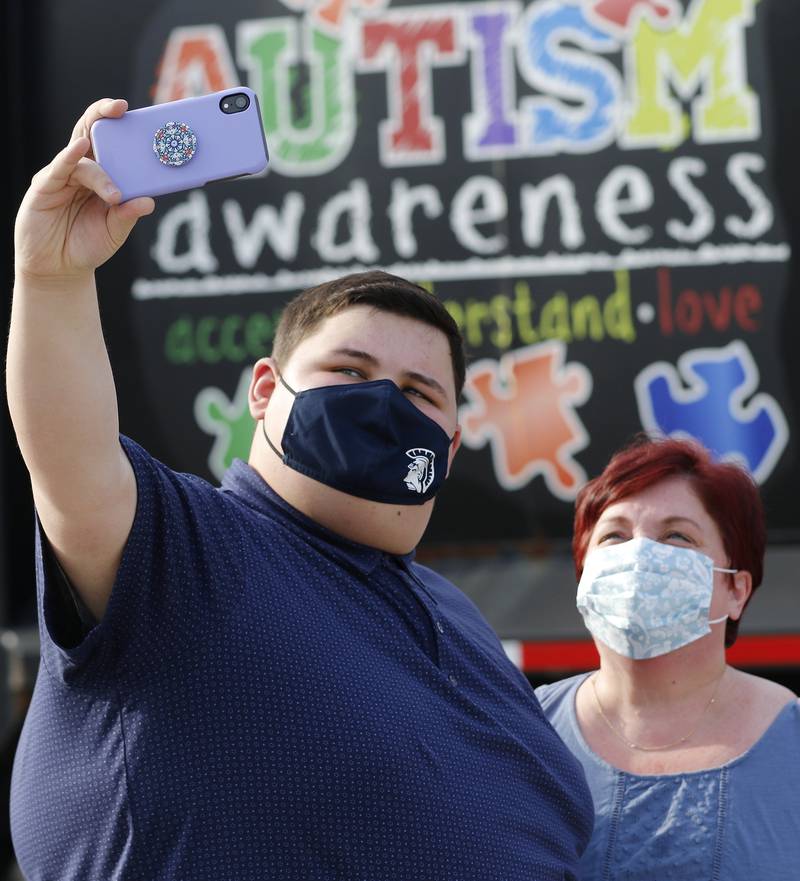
[390,293]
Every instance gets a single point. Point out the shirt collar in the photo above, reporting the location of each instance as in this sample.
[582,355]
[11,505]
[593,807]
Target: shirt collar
[248,485]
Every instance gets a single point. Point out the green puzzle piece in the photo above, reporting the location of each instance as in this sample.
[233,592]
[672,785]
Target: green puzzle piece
[228,421]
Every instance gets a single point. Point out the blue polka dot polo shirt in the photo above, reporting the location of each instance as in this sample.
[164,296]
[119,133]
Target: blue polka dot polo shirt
[266,700]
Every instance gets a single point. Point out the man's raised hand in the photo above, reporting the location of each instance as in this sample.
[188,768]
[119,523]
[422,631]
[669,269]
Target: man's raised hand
[70,220]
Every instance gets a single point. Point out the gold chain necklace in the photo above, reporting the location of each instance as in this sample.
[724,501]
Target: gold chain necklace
[649,749]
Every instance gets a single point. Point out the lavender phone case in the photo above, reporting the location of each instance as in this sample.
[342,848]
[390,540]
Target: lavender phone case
[205,144]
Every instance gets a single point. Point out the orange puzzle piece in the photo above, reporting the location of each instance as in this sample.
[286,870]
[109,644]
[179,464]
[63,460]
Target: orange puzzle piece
[524,405]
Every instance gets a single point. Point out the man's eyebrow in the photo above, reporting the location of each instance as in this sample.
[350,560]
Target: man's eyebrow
[357,354]
[428,381]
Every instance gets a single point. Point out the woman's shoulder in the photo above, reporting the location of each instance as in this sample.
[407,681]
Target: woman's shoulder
[768,772]
[557,696]
[766,710]
[768,698]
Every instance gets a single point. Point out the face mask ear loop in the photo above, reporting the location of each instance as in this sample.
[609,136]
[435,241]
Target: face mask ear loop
[729,572]
[287,386]
[272,446]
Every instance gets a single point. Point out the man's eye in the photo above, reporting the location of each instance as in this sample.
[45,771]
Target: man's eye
[410,389]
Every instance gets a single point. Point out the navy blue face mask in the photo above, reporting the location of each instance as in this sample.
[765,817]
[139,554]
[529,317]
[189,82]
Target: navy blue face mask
[365,439]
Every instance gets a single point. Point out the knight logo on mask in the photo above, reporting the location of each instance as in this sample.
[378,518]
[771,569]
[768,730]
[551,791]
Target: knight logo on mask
[420,471]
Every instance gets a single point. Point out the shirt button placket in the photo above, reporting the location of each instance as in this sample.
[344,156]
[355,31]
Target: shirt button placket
[452,679]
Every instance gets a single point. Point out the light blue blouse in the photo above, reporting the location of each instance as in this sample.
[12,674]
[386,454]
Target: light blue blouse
[736,822]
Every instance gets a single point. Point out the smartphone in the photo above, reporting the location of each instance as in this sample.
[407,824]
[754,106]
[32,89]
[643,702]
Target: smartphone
[182,144]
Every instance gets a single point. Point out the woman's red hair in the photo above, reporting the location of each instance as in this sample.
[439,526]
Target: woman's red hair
[727,492]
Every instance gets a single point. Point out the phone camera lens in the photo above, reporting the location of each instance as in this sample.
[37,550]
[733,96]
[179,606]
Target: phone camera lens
[235,103]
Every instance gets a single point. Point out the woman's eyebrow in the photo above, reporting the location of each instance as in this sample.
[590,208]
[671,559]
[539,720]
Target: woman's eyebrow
[680,519]
[617,520]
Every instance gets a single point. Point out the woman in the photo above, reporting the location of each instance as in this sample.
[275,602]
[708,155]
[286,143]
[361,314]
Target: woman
[694,766]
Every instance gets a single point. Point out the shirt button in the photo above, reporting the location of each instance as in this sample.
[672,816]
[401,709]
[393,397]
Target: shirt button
[453,680]
[440,626]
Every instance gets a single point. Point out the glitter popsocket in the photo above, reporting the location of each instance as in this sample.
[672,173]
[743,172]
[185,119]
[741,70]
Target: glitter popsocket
[174,144]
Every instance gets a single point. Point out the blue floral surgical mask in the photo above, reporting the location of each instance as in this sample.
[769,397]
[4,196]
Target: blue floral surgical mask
[643,598]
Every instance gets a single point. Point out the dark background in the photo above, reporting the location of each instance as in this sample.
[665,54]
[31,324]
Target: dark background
[60,57]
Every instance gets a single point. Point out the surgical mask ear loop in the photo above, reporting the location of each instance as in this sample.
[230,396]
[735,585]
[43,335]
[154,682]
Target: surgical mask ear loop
[730,572]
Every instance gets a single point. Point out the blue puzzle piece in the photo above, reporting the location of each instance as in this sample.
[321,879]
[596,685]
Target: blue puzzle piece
[711,418]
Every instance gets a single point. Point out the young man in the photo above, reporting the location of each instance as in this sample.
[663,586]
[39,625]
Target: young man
[257,682]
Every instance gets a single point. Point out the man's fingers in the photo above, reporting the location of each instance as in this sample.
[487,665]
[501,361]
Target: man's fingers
[55,175]
[105,107]
[135,208]
[89,174]
[72,167]
[122,218]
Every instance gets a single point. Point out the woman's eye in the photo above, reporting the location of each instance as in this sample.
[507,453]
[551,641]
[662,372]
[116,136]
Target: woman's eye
[679,536]
[611,536]
[349,371]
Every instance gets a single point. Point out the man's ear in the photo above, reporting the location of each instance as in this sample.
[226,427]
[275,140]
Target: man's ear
[454,445]
[262,385]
